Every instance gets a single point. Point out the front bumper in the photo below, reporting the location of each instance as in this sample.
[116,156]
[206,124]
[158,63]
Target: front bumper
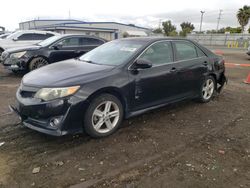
[38,115]
[14,63]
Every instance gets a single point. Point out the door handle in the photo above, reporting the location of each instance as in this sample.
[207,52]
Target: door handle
[173,70]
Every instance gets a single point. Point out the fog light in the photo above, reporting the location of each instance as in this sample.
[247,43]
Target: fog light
[54,122]
[14,66]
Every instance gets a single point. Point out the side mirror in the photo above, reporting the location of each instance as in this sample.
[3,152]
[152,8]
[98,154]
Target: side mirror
[15,39]
[57,46]
[143,64]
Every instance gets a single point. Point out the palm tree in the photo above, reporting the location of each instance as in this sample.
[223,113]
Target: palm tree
[243,16]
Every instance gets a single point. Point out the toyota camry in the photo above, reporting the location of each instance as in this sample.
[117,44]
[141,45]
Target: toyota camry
[117,80]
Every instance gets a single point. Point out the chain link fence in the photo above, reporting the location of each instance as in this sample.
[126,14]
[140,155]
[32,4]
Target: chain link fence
[228,40]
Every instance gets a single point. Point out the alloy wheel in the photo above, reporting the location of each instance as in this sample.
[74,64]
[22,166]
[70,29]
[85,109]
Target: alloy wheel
[40,62]
[105,117]
[208,89]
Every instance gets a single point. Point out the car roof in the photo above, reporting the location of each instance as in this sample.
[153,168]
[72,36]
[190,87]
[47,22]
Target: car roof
[34,31]
[153,39]
[79,35]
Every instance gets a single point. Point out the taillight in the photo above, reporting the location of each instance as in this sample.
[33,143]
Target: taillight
[222,62]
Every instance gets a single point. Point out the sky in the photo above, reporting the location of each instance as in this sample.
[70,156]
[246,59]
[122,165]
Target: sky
[139,12]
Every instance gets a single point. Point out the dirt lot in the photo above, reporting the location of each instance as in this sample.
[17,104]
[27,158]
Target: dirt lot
[183,145]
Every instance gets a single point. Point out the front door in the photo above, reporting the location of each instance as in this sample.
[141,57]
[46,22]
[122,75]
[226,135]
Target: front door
[158,84]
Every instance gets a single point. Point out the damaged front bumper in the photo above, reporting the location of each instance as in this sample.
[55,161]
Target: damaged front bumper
[57,117]
[14,64]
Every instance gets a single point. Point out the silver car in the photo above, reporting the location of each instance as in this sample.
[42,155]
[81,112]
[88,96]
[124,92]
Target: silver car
[248,50]
[24,38]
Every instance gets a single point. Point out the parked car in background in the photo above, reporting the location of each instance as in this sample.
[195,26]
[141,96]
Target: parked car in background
[117,80]
[54,49]
[24,38]
[248,50]
[3,36]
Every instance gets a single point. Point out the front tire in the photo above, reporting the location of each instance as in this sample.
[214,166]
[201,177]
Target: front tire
[37,63]
[103,116]
[207,89]
[15,71]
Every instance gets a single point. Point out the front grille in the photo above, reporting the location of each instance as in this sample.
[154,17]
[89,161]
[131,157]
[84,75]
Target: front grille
[27,94]
[27,91]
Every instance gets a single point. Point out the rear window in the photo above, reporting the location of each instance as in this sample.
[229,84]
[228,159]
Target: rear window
[200,53]
[34,36]
[185,50]
[90,41]
[27,36]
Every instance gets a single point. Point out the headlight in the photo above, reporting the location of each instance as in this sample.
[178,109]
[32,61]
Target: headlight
[18,54]
[47,94]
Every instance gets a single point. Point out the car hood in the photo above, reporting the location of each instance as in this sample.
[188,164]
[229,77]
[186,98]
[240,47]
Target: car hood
[24,48]
[65,73]
[8,43]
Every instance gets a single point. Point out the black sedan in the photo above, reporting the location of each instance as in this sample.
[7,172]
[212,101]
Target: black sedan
[117,80]
[53,49]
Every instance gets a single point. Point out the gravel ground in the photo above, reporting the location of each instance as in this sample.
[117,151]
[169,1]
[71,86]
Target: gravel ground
[183,145]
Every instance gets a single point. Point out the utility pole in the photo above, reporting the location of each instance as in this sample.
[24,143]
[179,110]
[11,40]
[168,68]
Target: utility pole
[159,23]
[69,14]
[217,28]
[202,12]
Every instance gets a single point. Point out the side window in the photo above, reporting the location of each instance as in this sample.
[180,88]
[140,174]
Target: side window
[90,41]
[39,36]
[26,36]
[70,42]
[159,53]
[48,35]
[200,53]
[185,50]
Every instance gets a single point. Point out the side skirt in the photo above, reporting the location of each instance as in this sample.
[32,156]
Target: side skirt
[139,112]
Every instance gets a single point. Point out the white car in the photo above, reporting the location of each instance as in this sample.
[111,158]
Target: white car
[24,38]
[248,50]
[3,36]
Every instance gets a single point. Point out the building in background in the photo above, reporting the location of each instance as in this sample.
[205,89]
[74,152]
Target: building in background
[106,30]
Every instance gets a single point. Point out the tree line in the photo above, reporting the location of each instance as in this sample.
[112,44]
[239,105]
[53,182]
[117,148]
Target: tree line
[169,29]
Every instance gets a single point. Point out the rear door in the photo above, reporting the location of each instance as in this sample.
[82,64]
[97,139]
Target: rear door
[87,44]
[193,65]
[26,39]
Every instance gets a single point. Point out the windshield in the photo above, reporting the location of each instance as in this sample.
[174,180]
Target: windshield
[14,35]
[112,53]
[49,41]
[3,36]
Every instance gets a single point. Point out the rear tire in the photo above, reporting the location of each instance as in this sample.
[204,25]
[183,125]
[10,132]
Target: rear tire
[207,89]
[37,63]
[103,116]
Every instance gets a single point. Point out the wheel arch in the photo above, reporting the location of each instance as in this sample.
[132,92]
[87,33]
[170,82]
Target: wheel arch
[215,79]
[1,49]
[36,56]
[113,91]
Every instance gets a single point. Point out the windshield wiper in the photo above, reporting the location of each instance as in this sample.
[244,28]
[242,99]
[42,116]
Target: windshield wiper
[87,61]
